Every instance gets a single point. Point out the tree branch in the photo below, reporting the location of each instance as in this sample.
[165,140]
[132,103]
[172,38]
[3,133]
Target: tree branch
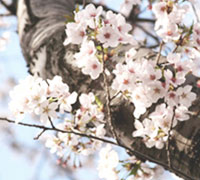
[159,53]
[137,153]
[108,99]
[5,15]
[45,128]
[149,34]
[38,136]
[12,8]
[169,140]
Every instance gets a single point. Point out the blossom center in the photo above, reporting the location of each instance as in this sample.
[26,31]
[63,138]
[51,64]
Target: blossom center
[82,33]
[157,90]
[152,77]
[169,33]
[126,81]
[94,66]
[107,35]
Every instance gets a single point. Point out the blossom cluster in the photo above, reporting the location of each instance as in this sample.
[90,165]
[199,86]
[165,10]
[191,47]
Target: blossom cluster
[41,98]
[51,100]
[145,82]
[88,119]
[135,169]
[157,81]
[96,30]
[169,15]
[196,35]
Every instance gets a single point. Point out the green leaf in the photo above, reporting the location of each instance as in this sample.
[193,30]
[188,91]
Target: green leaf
[135,169]
[99,103]
[77,8]
[69,18]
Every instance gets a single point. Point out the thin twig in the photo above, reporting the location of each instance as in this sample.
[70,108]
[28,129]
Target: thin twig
[159,53]
[138,19]
[195,12]
[84,3]
[175,49]
[169,140]
[115,95]
[5,15]
[52,125]
[148,33]
[4,4]
[108,99]
[38,136]
[45,128]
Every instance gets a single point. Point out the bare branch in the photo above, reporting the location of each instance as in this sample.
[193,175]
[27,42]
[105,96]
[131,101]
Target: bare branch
[149,34]
[38,136]
[195,12]
[12,8]
[45,128]
[159,53]
[5,15]
[169,140]
[108,99]
[132,151]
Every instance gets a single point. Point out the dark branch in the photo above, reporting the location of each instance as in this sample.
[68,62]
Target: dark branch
[12,8]
[149,34]
[45,128]
[5,15]
[38,136]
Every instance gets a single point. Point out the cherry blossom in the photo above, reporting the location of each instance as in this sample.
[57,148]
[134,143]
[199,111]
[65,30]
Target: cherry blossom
[54,144]
[75,33]
[108,162]
[94,68]
[186,97]
[129,55]
[171,79]
[41,98]
[108,36]
[87,49]
[169,32]
[142,81]
[47,110]
[66,101]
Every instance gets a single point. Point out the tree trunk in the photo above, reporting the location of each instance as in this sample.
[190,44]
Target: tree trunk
[41,30]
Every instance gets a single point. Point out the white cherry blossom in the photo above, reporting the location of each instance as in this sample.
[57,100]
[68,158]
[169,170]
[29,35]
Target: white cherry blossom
[53,143]
[86,100]
[66,101]
[47,110]
[93,67]
[169,32]
[75,33]
[186,97]
[108,162]
[108,36]
[87,49]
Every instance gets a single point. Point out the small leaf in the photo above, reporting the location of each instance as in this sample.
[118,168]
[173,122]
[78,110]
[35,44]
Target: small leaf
[99,103]
[69,18]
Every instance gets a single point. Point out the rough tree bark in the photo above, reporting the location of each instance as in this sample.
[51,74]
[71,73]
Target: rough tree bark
[41,31]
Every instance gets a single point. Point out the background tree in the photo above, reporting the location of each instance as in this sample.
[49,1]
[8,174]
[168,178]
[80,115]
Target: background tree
[41,30]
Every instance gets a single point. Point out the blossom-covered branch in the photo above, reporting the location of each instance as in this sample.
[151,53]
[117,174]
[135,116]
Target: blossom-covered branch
[46,128]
